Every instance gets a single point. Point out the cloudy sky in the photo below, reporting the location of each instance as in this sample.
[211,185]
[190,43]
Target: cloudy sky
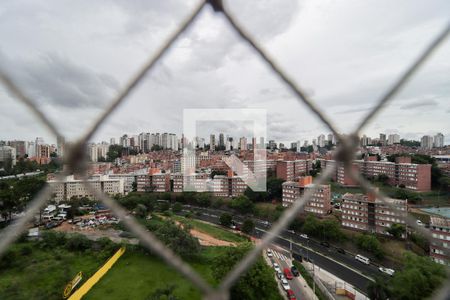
[72,57]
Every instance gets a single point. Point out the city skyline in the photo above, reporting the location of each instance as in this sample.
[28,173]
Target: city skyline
[209,67]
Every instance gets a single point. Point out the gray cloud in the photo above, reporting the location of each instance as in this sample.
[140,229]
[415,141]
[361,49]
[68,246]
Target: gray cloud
[53,80]
[72,60]
[420,104]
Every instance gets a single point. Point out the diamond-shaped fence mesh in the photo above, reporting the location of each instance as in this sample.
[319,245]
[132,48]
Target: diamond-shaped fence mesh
[77,162]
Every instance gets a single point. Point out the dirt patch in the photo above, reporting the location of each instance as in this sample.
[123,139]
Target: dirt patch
[207,240]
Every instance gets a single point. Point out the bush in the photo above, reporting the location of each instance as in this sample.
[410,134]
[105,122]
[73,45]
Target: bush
[177,207]
[248,226]
[371,244]
[78,242]
[225,219]
[52,239]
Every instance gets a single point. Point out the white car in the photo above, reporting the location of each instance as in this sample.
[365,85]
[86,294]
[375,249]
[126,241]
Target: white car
[388,271]
[280,275]
[285,284]
[305,236]
[276,267]
[420,223]
[269,253]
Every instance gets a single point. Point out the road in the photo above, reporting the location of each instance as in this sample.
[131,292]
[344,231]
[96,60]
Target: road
[282,258]
[341,265]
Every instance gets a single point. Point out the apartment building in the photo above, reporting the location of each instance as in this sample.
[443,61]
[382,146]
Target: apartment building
[195,182]
[415,177]
[154,181]
[7,155]
[366,213]
[290,170]
[440,230]
[320,202]
[128,181]
[72,187]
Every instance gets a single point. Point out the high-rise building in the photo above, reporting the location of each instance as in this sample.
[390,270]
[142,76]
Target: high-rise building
[20,146]
[426,142]
[39,141]
[439,140]
[383,139]
[60,146]
[393,139]
[221,141]
[7,156]
[243,143]
[331,139]
[261,143]
[272,145]
[112,141]
[212,142]
[321,140]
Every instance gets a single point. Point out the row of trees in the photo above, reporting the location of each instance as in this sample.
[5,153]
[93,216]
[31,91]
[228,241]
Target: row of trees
[15,194]
[418,279]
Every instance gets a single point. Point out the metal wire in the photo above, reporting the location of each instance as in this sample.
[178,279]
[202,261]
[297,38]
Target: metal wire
[346,151]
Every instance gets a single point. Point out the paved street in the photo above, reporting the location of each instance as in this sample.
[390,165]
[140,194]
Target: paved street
[282,257]
[342,265]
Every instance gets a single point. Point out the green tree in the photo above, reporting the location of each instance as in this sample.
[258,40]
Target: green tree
[114,152]
[274,188]
[141,210]
[370,243]
[225,219]
[248,226]
[203,199]
[156,148]
[418,279]
[255,284]
[397,230]
[242,204]
[177,207]
[178,239]
[256,196]
[378,289]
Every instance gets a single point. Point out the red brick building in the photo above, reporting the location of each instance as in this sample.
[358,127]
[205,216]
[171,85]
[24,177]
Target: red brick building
[320,202]
[366,213]
[440,230]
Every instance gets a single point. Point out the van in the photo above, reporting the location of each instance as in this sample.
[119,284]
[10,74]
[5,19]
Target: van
[362,259]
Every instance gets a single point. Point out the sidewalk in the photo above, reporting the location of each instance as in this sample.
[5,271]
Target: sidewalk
[336,285]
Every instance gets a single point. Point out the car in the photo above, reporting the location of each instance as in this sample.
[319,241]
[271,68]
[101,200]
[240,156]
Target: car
[280,275]
[291,295]
[362,259]
[340,250]
[388,271]
[325,244]
[420,223]
[290,231]
[303,235]
[276,267]
[288,274]
[285,284]
[266,223]
[51,225]
[295,271]
[269,253]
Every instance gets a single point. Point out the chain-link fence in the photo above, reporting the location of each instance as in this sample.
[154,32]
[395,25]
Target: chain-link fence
[76,161]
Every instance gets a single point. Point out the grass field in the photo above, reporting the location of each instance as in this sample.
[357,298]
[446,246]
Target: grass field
[137,275]
[212,230]
[43,274]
